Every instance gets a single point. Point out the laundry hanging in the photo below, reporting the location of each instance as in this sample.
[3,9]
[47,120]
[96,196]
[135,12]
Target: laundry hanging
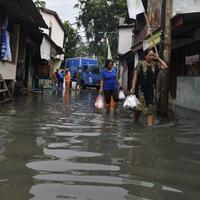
[5,41]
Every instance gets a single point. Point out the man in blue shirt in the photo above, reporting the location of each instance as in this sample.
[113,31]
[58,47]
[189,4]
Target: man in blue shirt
[60,78]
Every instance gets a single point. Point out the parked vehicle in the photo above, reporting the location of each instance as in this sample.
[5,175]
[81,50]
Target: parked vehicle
[90,71]
[91,76]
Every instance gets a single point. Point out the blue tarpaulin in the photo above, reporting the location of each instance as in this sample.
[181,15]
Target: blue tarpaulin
[5,42]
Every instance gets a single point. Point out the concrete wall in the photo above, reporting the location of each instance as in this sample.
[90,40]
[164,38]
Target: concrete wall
[125,40]
[123,76]
[54,64]
[8,70]
[57,34]
[186,6]
[188,93]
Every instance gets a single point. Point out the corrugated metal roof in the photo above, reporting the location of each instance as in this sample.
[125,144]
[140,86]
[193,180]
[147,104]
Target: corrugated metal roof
[23,10]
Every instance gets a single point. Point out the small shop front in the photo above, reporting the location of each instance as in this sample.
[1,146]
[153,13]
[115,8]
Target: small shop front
[188,76]
[186,61]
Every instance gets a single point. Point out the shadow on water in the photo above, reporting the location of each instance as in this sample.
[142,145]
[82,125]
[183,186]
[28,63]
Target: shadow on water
[60,147]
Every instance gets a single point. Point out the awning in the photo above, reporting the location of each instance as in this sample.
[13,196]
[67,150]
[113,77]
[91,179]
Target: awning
[45,49]
[146,41]
[49,49]
[137,47]
[183,24]
[151,41]
[23,10]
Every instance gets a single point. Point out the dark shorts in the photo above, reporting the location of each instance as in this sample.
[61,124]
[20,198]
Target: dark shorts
[110,93]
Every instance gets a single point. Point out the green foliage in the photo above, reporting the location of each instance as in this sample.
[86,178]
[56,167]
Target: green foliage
[82,50]
[71,41]
[101,16]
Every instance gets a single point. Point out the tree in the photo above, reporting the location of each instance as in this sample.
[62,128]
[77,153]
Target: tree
[98,17]
[71,41]
[82,50]
[39,3]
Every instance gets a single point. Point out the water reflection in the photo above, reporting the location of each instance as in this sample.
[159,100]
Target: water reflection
[64,166]
[60,147]
[79,192]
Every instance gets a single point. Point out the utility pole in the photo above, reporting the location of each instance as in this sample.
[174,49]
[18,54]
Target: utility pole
[165,52]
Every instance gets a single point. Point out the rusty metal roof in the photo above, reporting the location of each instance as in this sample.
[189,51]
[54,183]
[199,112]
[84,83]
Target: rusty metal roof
[23,11]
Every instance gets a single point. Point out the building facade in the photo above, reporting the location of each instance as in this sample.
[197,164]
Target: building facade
[52,47]
[126,39]
[184,48]
[13,18]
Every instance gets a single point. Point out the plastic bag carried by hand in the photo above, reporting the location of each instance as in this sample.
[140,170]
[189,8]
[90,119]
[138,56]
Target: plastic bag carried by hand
[131,102]
[99,103]
[64,84]
[121,95]
[73,85]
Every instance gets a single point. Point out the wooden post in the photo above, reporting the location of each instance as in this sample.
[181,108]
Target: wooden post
[163,76]
[150,31]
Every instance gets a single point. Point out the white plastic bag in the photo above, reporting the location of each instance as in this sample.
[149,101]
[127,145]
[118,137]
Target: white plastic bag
[131,102]
[121,95]
[99,103]
[64,84]
[73,85]
[90,79]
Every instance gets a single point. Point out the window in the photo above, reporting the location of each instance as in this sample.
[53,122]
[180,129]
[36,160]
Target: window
[192,60]
[85,68]
[95,70]
[193,65]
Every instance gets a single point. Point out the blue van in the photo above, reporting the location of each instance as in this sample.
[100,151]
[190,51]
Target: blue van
[90,71]
[91,75]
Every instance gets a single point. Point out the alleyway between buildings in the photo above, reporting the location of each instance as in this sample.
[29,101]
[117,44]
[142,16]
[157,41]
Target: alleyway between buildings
[59,147]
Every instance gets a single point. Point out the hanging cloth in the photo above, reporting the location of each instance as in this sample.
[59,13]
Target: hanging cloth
[5,42]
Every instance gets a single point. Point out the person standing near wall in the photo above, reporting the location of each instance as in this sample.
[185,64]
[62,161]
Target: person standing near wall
[144,83]
[59,77]
[79,79]
[54,82]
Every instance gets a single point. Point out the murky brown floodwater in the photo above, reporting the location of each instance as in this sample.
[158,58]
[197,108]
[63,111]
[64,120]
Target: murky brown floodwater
[54,148]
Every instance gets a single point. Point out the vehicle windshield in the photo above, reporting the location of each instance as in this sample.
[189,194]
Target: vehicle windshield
[95,70]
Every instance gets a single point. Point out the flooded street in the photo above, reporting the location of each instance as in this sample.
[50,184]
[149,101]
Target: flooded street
[54,147]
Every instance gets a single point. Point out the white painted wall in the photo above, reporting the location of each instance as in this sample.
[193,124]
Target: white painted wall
[8,70]
[188,93]
[57,34]
[125,40]
[185,6]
